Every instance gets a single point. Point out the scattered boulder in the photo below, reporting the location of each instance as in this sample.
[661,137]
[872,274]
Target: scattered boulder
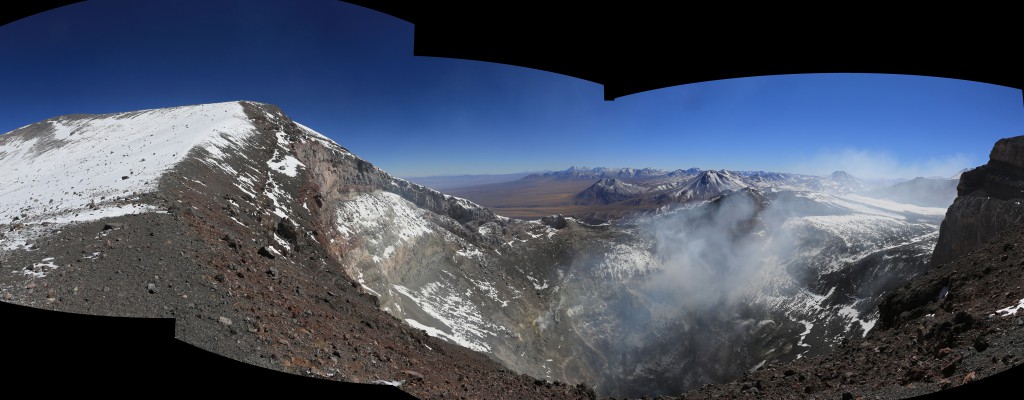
[950,368]
[970,377]
[555,221]
[151,288]
[225,321]
[981,343]
[265,251]
[112,225]
[231,241]
[287,230]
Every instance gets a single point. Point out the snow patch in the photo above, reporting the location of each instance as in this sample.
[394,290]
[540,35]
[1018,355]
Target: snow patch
[537,285]
[382,211]
[624,261]
[73,168]
[488,289]
[807,329]
[439,300]
[41,268]
[1011,310]
[848,312]
[473,253]
[285,164]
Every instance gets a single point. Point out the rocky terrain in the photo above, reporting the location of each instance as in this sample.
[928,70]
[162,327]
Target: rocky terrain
[233,257]
[988,201]
[273,245]
[957,323]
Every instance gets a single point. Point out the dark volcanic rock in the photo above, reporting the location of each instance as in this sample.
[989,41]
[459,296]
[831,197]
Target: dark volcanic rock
[989,201]
[287,230]
[607,191]
[265,252]
[112,225]
[555,221]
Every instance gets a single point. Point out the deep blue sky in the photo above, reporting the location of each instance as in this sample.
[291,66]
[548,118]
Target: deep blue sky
[349,73]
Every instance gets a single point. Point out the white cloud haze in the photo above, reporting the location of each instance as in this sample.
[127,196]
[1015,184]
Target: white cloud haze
[881,165]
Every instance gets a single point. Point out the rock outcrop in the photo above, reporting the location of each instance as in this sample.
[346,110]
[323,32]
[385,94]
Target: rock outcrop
[990,199]
[607,191]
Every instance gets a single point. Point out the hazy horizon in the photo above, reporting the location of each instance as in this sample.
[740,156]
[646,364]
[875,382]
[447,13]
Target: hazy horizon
[664,169]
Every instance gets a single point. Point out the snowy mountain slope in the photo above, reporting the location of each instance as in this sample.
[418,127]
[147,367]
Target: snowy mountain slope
[246,224]
[54,169]
[88,167]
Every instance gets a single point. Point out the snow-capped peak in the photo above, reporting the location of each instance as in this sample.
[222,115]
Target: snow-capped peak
[841,182]
[711,183]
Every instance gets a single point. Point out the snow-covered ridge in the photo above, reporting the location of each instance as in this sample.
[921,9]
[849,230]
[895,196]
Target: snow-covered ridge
[66,168]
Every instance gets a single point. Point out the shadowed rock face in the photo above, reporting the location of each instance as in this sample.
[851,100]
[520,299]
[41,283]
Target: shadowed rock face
[989,201]
[607,191]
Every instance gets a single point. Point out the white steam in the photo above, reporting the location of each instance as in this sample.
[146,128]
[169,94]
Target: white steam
[714,255]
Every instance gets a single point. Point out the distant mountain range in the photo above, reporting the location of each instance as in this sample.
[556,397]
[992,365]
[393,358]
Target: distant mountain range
[650,186]
[658,186]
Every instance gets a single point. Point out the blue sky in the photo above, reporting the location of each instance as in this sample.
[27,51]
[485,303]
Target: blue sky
[349,73]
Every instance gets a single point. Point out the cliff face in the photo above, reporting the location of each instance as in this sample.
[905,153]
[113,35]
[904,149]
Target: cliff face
[990,199]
